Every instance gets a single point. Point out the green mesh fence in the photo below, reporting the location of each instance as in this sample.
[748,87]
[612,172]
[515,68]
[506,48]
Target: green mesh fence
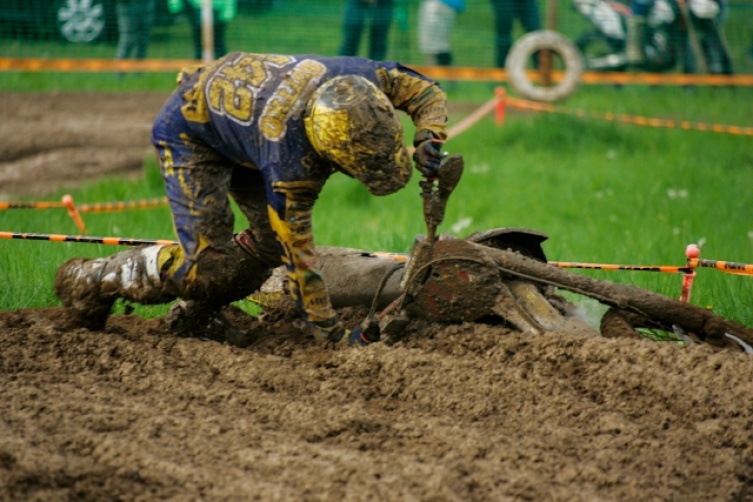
[88,29]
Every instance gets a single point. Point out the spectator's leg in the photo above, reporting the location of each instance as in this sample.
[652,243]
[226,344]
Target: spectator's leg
[127,14]
[444,59]
[503,17]
[636,32]
[146,16]
[716,48]
[194,18]
[528,13]
[380,29]
[220,42]
[688,57]
[352,28]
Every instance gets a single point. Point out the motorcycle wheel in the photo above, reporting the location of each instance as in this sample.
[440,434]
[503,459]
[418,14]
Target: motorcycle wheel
[533,43]
[602,54]
[633,307]
[617,323]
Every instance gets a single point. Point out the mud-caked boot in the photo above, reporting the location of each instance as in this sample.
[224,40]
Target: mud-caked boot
[77,284]
[196,320]
[88,288]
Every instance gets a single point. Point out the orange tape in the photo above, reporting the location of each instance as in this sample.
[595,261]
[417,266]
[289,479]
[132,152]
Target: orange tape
[667,269]
[30,205]
[474,117]
[438,72]
[103,207]
[116,241]
[598,78]
[94,65]
[730,267]
[630,119]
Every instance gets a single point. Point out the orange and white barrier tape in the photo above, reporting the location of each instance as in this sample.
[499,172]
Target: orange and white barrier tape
[504,101]
[692,253]
[458,73]
[75,211]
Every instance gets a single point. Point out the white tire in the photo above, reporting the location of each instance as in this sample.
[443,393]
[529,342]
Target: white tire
[535,41]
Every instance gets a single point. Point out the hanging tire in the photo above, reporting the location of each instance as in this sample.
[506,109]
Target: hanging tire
[530,44]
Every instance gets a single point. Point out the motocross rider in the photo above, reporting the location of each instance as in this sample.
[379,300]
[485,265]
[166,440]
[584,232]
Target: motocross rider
[268,131]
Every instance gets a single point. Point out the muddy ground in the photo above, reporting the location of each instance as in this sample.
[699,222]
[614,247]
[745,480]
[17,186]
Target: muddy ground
[460,412]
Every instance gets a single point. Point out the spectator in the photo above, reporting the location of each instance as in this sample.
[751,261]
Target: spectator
[505,12]
[707,19]
[711,42]
[356,14]
[135,19]
[436,19]
[223,11]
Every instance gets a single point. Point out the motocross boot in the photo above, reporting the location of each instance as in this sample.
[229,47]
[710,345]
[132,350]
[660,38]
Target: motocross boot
[636,39]
[88,288]
[194,319]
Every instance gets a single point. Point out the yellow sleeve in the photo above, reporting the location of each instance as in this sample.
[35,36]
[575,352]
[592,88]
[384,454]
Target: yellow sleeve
[422,99]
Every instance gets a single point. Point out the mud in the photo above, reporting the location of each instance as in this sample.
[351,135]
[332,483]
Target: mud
[56,140]
[467,411]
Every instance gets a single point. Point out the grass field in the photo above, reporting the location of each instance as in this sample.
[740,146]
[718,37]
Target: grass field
[603,191]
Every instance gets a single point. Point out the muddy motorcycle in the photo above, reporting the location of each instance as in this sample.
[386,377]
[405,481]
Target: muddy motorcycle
[672,29]
[502,276]
[498,276]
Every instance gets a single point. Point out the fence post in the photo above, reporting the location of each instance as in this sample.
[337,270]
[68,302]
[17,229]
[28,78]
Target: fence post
[691,252]
[207,31]
[501,107]
[545,56]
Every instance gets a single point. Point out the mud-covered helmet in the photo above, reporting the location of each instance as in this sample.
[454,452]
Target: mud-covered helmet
[353,124]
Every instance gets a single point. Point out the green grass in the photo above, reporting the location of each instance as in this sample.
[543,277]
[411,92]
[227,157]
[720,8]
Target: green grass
[603,191]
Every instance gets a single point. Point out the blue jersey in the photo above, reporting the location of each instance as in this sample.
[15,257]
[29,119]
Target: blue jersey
[250,108]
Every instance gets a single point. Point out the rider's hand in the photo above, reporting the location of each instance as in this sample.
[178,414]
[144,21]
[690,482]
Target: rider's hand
[352,337]
[427,156]
[355,337]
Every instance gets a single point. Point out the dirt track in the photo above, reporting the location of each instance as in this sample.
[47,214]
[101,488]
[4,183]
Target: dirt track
[462,412]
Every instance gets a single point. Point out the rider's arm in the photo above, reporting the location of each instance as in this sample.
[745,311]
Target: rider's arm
[421,98]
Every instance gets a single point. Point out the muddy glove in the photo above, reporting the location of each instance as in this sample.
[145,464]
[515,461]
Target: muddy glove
[427,155]
[352,337]
[355,337]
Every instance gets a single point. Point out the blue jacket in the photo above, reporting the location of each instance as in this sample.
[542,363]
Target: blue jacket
[458,5]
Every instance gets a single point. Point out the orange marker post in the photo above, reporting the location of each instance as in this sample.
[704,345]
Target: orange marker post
[499,111]
[73,213]
[692,252]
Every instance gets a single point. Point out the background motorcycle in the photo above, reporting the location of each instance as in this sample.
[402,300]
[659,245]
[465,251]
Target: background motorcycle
[668,38]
